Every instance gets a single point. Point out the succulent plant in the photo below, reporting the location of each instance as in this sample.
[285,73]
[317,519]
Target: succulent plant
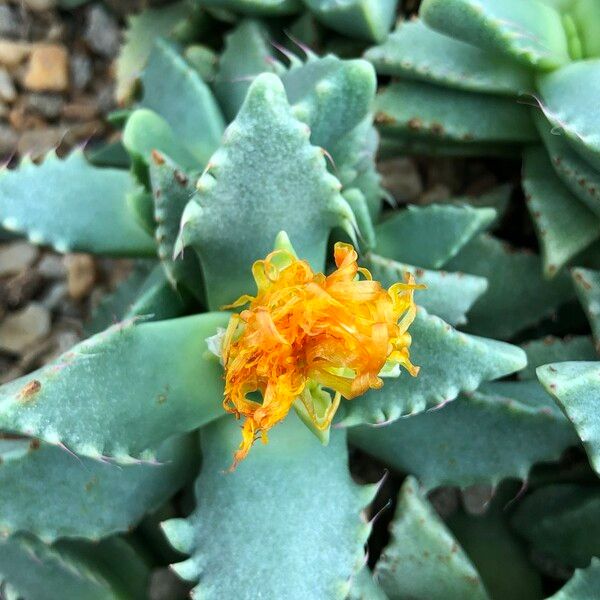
[241,168]
[479,77]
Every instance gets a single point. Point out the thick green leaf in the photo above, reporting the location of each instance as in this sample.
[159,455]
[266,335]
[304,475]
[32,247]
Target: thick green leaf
[109,154]
[551,349]
[145,293]
[568,101]
[517,296]
[259,515]
[576,385]
[368,20]
[364,587]
[450,362]
[587,286]
[247,54]
[147,131]
[397,144]
[430,236]
[415,51]
[530,32]
[72,206]
[140,35]
[448,295]
[172,190]
[423,561]
[574,171]
[583,585]
[71,570]
[489,542]
[330,95]
[204,60]
[265,178]
[177,93]
[562,522]
[423,111]
[52,493]
[497,432]
[266,8]
[564,225]
[123,391]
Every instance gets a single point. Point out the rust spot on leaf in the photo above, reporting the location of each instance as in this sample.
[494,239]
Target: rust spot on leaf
[415,124]
[382,118]
[34,444]
[157,157]
[29,390]
[181,178]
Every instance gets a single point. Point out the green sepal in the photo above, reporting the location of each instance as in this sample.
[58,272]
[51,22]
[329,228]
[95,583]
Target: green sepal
[552,349]
[55,494]
[450,362]
[447,295]
[123,391]
[583,585]
[530,33]
[259,514]
[423,559]
[265,178]
[575,387]
[561,521]
[171,190]
[564,225]
[145,293]
[517,296]
[175,91]
[422,111]
[415,51]
[72,206]
[71,570]
[368,20]
[405,236]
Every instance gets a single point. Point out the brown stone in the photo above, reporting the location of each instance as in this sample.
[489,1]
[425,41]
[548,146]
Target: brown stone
[20,330]
[80,111]
[81,275]
[13,53]
[48,69]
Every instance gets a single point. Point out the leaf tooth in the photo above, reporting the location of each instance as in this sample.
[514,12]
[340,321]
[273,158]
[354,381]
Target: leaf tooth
[180,534]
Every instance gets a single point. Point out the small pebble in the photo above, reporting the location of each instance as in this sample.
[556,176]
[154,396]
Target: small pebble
[53,298]
[19,330]
[102,32]
[11,24]
[48,69]
[39,142]
[13,53]
[52,266]
[7,87]
[47,105]
[81,70]
[16,257]
[39,5]
[81,275]
[8,140]
[22,287]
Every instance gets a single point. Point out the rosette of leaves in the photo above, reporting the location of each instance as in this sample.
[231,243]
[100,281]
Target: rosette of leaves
[104,436]
[489,77]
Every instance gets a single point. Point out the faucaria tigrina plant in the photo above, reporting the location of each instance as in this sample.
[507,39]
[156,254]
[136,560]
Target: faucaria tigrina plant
[275,300]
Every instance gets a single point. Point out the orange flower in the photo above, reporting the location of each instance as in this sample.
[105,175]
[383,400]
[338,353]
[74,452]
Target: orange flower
[304,328]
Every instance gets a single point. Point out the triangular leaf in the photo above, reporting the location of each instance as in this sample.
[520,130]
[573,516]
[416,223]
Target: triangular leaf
[450,362]
[55,494]
[123,391]
[259,515]
[423,561]
[587,286]
[576,385]
[72,206]
[415,51]
[499,431]
[265,178]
